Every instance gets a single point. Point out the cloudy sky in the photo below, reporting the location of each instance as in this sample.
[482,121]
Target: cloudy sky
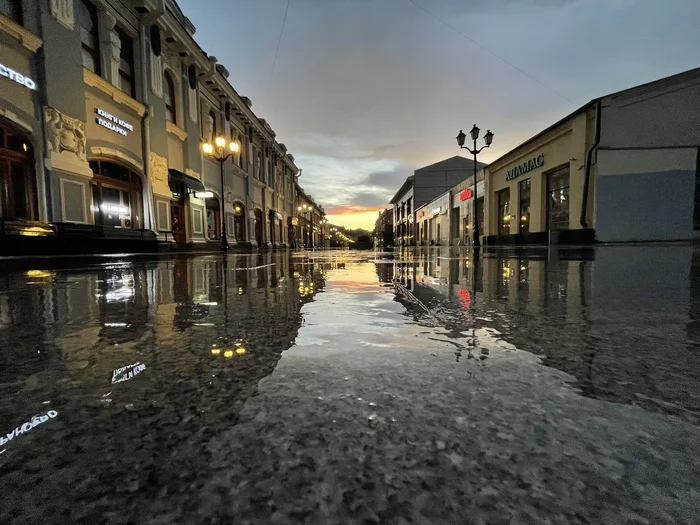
[365,91]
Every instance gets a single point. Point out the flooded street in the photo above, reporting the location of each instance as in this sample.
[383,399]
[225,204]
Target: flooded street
[557,387]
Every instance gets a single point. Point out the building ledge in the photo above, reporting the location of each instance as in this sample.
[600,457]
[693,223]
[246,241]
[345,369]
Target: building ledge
[176,130]
[25,37]
[116,94]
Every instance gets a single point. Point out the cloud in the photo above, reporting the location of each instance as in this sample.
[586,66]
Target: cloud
[354,210]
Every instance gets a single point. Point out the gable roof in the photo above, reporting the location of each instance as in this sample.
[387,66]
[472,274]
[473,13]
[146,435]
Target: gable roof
[403,189]
[453,163]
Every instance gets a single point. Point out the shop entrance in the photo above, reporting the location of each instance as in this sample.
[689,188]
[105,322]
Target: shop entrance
[239,221]
[213,218]
[259,226]
[177,211]
[18,198]
[558,199]
[116,195]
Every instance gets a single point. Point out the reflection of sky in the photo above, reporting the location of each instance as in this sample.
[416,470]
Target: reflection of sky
[364,92]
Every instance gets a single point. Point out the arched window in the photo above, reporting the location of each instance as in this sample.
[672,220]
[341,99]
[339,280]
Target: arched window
[169,95]
[116,195]
[17,181]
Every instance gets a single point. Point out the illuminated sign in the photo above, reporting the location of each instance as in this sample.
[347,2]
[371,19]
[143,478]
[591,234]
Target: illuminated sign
[436,211]
[26,427]
[465,195]
[529,165]
[112,123]
[127,372]
[17,77]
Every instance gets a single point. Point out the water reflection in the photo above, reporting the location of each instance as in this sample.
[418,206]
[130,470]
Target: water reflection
[143,361]
[622,320]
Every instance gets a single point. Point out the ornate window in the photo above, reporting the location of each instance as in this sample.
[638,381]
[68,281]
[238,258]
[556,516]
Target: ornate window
[116,195]
[17,181]
[89,35]
[169,95]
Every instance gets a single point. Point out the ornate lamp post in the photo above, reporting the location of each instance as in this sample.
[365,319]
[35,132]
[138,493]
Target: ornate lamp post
[220,150]
[488,138]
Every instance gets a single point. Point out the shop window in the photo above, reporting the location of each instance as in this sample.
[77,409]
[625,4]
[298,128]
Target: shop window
[239,222]
[116,195]
[213,219]
[524,190]
[17,181]
[504,212]
[89,35]
[126,63]
[12,9]
[558,199]
[169,96]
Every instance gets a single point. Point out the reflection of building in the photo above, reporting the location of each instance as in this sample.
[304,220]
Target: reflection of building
[424,185]
[107,148]
[384,228]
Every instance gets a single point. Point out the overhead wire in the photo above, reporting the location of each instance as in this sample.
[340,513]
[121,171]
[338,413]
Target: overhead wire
[484,48]
[277,52]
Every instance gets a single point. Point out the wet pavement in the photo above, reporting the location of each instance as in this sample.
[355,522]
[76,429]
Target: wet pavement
[535,386]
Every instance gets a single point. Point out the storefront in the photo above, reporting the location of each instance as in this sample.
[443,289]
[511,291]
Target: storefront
[239,215]
[117,195]
[535,191]
[18,191]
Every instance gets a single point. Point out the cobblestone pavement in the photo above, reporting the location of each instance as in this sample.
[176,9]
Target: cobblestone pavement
[352,387]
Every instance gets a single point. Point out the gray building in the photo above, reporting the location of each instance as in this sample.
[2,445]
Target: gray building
[422,187]
[104,105]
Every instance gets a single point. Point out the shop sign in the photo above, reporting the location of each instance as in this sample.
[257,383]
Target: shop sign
[529,165]
[109,121]
[465,195]
[436,211]
[17,77]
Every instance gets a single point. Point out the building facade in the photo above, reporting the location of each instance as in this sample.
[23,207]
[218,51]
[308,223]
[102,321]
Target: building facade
[420,188]
[309,226]
[103,109]
[384,228]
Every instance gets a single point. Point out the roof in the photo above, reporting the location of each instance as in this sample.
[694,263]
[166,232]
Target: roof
[403,189]
[453,163]
[592,102]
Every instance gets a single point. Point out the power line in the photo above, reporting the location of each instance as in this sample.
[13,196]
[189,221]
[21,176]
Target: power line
[277,52]
[490,52]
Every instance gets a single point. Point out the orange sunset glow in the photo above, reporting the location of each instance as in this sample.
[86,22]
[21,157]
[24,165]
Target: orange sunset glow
[352,217]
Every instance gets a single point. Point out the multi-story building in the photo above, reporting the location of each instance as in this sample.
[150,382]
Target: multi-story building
[103,109]
[309,226]
[384,228]
[424,185]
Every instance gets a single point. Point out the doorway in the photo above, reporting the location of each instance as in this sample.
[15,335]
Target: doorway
[18,196]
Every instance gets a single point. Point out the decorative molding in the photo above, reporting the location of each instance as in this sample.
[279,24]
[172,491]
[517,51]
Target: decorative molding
[62,183]
[116,94]
[156,74]
[158,174]
[28,39]
[10,115]
[176,130]
[192,103]
[133,162]
[197,211]
[65,143]
[62,12]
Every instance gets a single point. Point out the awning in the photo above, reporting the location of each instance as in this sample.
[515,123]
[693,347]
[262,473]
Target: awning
[190,182]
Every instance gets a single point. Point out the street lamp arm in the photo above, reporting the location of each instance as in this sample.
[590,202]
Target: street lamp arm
[474,151]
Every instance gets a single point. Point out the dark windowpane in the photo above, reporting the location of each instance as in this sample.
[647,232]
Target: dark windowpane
[16,143]
[12,9]
[524,187]
[504,212]
[126,63]
[169,96]
[558,199]
[89,36]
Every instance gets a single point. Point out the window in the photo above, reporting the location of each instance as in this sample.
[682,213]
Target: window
[211,121]
[558,199]
[89,36]
[116,195]
[238,158]
[504,212]
[17,180]
[126,63]
[169,96]
[12,9]
[524,190]
[408,207]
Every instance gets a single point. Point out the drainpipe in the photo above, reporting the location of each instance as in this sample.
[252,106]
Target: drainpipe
[589,160]
[146,21]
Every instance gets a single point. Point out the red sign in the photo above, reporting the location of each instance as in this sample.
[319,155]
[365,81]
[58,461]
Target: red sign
[466,194]
[420,214]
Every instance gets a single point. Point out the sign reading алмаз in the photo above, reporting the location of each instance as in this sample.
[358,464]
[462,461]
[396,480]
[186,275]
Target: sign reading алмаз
[526,166]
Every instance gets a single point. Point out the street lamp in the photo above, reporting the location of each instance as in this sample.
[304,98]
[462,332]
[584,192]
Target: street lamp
[488,138]
[221,150]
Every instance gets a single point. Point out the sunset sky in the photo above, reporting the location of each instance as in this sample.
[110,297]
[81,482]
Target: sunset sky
[365,91]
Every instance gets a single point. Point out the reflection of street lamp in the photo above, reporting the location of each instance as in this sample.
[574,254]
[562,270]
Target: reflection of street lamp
[488,138]
[221,150]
